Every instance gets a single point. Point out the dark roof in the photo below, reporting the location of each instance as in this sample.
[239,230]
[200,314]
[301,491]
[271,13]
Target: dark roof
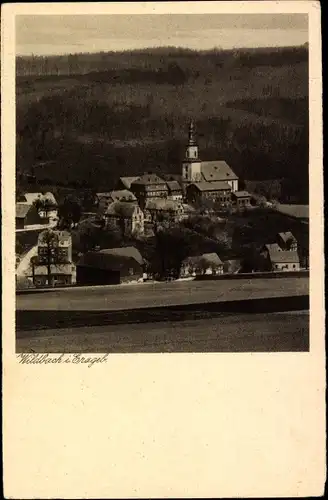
[283,257]
[121,208]
[110,259]
[286,236]
[174,186]
[296,211]
[272,247]
[22,208]
[212,186]
[217,171]
[127,181]
[150,178]
[242,194]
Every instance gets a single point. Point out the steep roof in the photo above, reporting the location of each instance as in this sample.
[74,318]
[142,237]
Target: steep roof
[284,257]
[148,179]
[272,247]
[110,259]
[217,171]
[22,209]
[174,186]
[31,197]
[127,181]
[242,194]
[121,209]
[286,236]
[212,186]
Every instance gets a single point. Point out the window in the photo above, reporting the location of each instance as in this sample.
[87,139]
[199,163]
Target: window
[294,266]
[131,272]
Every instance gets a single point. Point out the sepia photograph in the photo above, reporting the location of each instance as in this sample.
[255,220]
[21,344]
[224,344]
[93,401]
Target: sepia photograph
[162,183]
[162,250]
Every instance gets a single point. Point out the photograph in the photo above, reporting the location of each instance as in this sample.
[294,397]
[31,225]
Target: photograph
[162,183]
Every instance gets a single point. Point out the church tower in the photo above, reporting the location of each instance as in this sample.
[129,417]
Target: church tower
[191,165]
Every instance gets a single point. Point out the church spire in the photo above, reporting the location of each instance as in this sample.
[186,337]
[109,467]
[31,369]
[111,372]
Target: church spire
[192,138]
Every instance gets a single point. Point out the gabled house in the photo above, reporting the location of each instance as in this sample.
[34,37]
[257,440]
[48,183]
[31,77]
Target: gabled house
[217,191]
[27,215]
[285,260]
[241,198]
[110,266]
[207,263]
[149,186]
[54,254]
[45,203]
[105,199]
[174,190]
[287,241]
[126,215]
[170,209]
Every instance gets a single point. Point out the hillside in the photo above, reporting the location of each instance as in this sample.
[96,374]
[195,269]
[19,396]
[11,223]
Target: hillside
[83,120]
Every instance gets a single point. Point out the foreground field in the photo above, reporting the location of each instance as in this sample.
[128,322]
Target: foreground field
[275,332]
[110,298]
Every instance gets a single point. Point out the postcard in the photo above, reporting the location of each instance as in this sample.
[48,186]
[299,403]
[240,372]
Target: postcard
[163,264]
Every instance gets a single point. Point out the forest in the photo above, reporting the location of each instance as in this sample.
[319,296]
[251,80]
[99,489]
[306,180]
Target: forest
[85,119]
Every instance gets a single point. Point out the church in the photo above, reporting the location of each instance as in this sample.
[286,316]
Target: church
[206,179]
[199,180]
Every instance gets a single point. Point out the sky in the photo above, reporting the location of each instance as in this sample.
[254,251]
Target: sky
[48,35]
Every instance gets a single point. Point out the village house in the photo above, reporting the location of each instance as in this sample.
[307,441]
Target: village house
[28,216]
[296,217]
[110,267]
[287,241]
[54,253]
[172,210]
[241,199]
[149,186]
[45,203]
[175,192]
[105,199]
[217,191]
[208,263]
[126,213]
[284,261]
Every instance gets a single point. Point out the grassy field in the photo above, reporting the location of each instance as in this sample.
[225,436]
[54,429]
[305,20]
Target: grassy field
[277,332]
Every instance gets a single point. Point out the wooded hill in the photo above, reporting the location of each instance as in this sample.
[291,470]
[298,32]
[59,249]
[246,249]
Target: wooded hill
[85,119]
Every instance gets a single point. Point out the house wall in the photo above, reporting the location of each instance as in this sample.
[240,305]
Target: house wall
[234,185]
[286,266]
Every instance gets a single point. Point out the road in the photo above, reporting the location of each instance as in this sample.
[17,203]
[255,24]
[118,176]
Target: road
[272,332]
[122,297]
